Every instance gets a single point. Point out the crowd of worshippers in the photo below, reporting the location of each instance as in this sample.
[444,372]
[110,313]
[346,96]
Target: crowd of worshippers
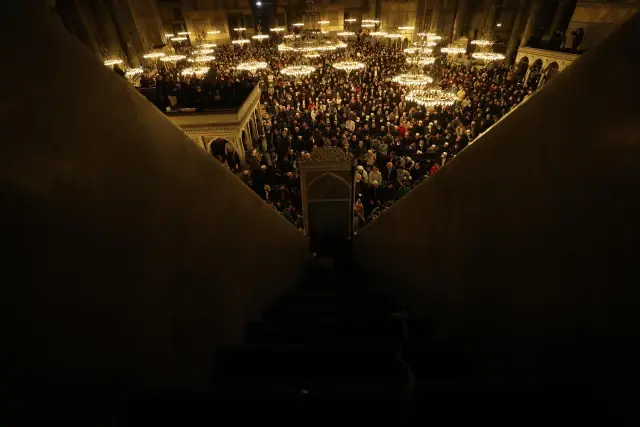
[394,144]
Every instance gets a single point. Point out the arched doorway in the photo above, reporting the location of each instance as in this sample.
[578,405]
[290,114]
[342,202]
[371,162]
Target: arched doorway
[217,147]
[552,71]
[535,73]
[521,68]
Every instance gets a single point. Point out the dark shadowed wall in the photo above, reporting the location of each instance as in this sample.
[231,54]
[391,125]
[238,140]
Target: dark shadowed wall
[129,253]
[523,249]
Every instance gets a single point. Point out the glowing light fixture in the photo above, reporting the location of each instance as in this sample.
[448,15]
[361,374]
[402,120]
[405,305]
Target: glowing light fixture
[251,66]
[298,24]
[153,55]
[378,34]
[350,20]
[184,33]
[412,50]
[427,35]
[488,56]
[172,58]
[213,32]
[370,21]
[452,50]
[346,34]
[323,22]
[198,71]
[368,25]
[431,97]
[425,60]
[240,41]
[260,37]
[131,72]
[169,35]
[208,45]
[412,79]
[434,37]
[205,58]
[406,28]
[482,42]
[277,29]
[203,52]
[240,29]
[297,70]
[179,39]
[348,66]
[112,62]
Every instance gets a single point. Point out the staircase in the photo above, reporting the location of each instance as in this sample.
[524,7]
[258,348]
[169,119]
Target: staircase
[330,346]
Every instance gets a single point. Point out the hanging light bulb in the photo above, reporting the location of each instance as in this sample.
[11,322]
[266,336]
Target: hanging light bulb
[198,71]
[348,66]
[431,97]
[297,70]
[153,55]
[452,50]
[412,79]
[112,62]
[251,66]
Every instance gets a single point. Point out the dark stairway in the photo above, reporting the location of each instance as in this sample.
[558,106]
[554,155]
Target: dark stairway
[328,346]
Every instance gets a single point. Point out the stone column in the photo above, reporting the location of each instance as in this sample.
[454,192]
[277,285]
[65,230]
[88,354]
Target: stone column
[434,27]
[106,30]
[516,32]
[532,22]
[561,14]
[526,76]
[254,130]
[459,20]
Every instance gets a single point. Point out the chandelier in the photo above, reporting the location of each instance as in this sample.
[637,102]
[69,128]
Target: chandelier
[367,25]
[179,39]
[482,42]
[412,79]
[153,55]
[425,60]
[378,33]
[431,97]
[312,55]
[131,72]
[298,24]
[277,29]
[406,28]
[452,50]
[348,66]
[203,51]
[313,44]
[205,58]
[427,35]
[488,56]
[370,21]
[251,66]
[213,32]
[184,33]
[169,35]
[323,22]
[350,20]
[260,37]
[237,29]
[297,70]
[240,41]
[198,71]
[208,45]
[346,34]
[419,50]
[292,36]
[172,58]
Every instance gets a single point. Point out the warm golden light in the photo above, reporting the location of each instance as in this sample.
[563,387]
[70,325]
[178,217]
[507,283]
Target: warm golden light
[431,97]
[277,29]
[412,79]
[297,70]
[172,58]
[205,58]
[153,55]
[112,62]
[323,22]
[240,41]
[179,39]
[251,66]
[198,71]
[348,66]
